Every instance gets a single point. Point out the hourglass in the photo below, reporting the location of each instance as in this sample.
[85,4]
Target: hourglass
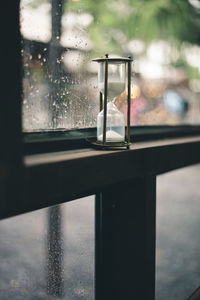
[114,77]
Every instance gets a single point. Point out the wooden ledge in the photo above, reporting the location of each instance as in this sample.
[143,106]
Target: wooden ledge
[55,178]
[55,157]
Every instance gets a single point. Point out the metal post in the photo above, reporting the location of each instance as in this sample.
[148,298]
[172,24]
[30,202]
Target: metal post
[54,264]
[54,69]
[55,252]
[128,103]
[105,99]
[125,240]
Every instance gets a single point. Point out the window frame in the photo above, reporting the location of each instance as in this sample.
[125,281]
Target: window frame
[51,141]
[31,180]
[11,165]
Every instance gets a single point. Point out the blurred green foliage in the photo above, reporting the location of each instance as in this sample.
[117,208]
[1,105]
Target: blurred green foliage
[116,21]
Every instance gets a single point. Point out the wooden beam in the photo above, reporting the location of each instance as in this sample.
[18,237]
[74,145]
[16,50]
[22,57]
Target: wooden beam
[54,178]
[125,240]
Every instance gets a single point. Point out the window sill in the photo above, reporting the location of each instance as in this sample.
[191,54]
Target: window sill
[70,155]
[60,140]
[54,178]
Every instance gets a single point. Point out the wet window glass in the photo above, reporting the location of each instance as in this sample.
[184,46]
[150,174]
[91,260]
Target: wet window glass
[178,241]
[60,38]
[49,253]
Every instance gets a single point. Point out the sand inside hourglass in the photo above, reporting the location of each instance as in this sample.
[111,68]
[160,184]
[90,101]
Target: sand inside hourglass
[115,125]
[111,136]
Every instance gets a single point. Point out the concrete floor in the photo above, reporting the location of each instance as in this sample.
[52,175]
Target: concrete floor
[178,238]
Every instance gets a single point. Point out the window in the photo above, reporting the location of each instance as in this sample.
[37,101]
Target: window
[124,182]
[53,258]
[60,38]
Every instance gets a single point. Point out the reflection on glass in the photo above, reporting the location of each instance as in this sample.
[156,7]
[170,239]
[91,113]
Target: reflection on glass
[60,38]
[49,254]
[178,250]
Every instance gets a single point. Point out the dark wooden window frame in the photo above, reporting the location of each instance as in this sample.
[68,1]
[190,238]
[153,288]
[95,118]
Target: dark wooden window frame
[124,181]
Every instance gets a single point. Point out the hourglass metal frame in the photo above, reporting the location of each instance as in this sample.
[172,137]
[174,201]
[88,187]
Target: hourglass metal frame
[103,100]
